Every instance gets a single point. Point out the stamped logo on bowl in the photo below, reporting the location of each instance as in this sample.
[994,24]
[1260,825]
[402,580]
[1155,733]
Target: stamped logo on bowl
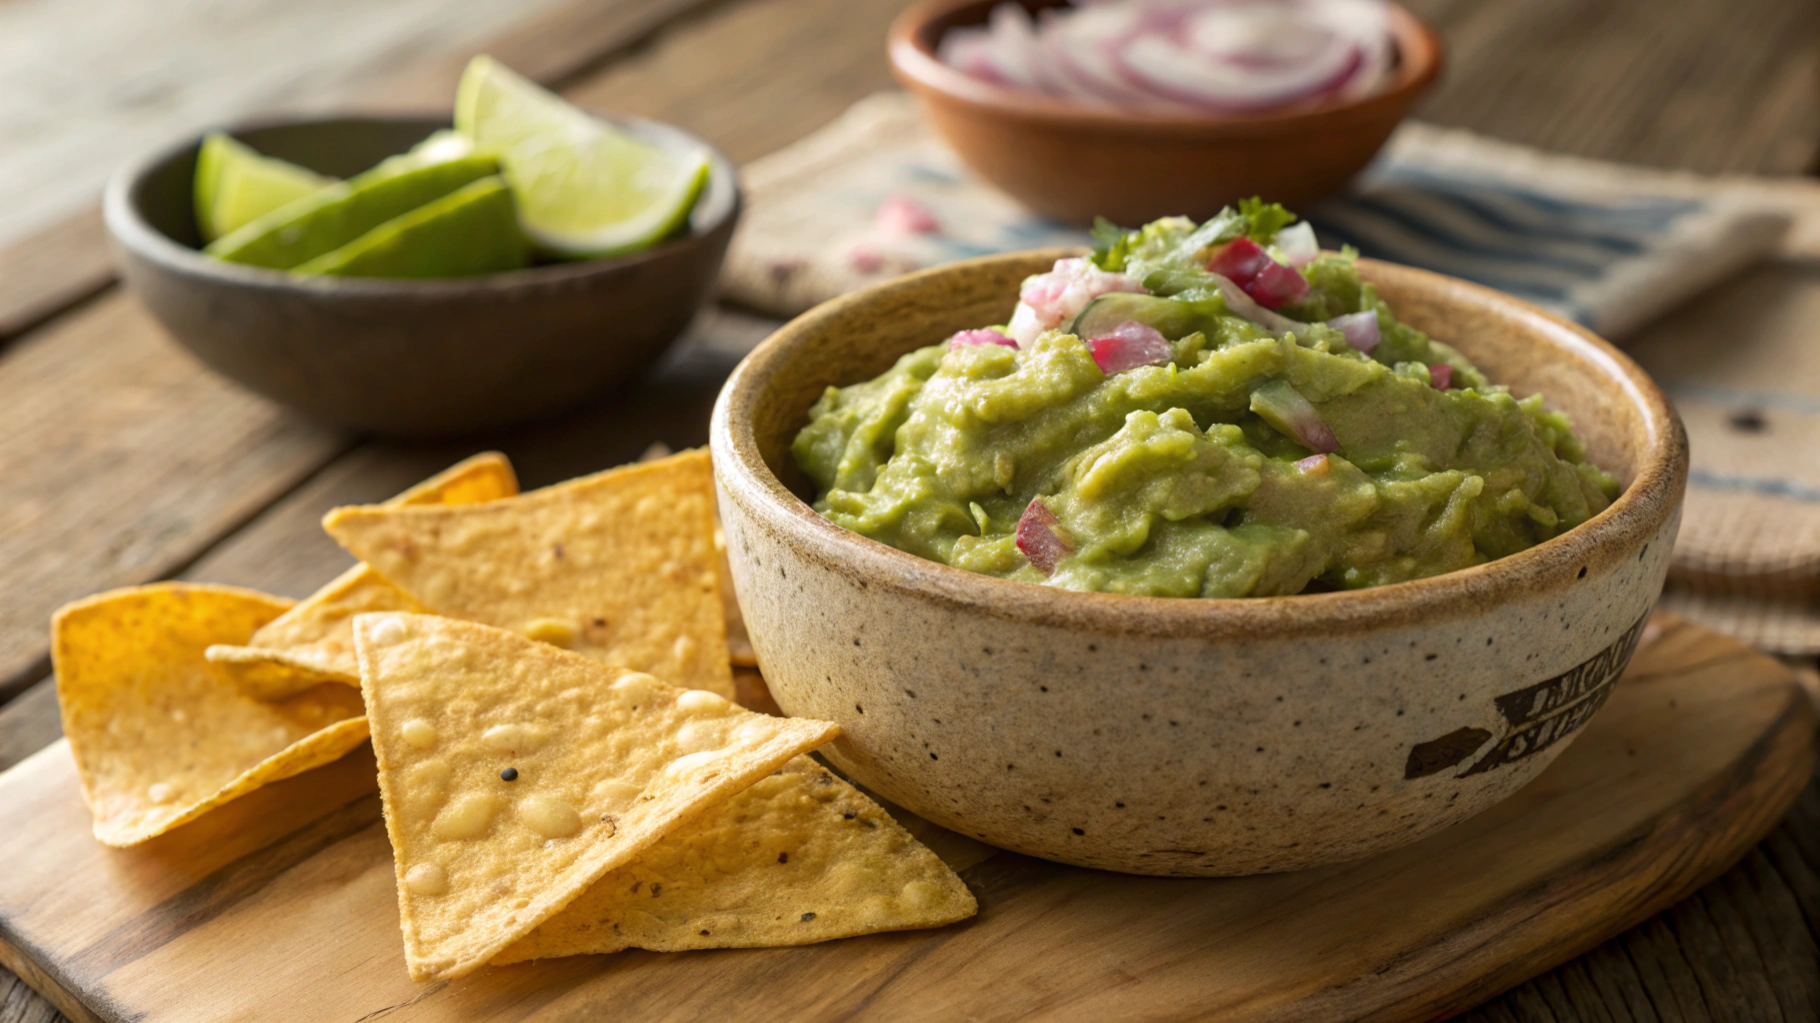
[1538,716]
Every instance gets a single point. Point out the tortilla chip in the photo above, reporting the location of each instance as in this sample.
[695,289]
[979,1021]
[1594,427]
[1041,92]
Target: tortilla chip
[160,735]
[619,566]
[313,642]
[799,857]
[603,763]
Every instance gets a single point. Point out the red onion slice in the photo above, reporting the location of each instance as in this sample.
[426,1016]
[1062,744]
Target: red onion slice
[1277,286]
[1130,345]
[1159,66]
[1039,539]
[1440,377]
[1298,245]
[981,337]
[1285,409]
[1245,307]
[1240,259]
[1361,329]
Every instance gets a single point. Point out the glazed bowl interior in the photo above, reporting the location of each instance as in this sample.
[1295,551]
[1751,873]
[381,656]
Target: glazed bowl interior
[1627,424]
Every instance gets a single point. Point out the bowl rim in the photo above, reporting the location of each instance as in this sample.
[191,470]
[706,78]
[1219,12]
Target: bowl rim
[1652,499]
[912,56]
[130,229]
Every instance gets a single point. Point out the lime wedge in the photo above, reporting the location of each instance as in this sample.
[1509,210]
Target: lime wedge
[472,230]
[584,188]
[234,184]
[338,214]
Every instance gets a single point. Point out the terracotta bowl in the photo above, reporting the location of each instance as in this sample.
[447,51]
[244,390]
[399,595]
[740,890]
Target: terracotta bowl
[1180,736]
[1075,162]
[410,357]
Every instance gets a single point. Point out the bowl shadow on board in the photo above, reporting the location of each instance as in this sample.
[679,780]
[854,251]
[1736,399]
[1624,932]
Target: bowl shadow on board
[411,358]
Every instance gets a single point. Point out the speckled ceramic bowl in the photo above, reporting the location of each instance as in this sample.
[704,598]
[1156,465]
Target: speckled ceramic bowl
[1194,737]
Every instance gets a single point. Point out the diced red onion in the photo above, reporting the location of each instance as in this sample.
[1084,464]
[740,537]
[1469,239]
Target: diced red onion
[1049,300]
[1267,281]
[1129,345]
[1314,465]
[1245,307]
[1183,55]
[1240,259]
[865,259]
[1361,329]
[1440,377]
[1039,539]
[1284,408]
[1277,286]
[1298,244]
[901,215]
[981,337]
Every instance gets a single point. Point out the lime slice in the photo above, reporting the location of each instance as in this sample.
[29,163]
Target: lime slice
[472,230]
[336,215]
[584,188]
[234,184]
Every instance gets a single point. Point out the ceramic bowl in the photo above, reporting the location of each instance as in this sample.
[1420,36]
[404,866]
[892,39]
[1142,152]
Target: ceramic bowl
[1075,162]
[410,357]
[1181,736]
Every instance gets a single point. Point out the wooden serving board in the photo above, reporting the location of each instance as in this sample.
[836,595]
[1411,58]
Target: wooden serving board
[280,906]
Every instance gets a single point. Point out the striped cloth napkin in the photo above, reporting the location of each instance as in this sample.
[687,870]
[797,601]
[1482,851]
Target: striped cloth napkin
[1616,248]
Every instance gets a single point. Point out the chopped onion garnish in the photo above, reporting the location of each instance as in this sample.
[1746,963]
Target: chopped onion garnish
[1440,377]
[981,337]
[1285,409]
[1240,259]
[1129,345]
[1211,56]
[1040,539]
[900,215]
[1297,244]
[1049,300]
[1277,286]
[1314,465]
[1361,329]
[1270,283]
[1245,307]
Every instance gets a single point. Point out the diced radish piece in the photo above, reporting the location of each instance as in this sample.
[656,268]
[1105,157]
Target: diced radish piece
[900,214]
[1240,259]
[1039,537]
[1285,409]
[1297,243]
[1361,329]
[1129,345]
[1049,300]
[1277,286]
[981,337]
[1441,377]
[1245,307]
[1314,465]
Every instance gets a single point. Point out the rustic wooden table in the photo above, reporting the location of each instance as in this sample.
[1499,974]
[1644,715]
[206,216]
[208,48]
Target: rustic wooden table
[122,461]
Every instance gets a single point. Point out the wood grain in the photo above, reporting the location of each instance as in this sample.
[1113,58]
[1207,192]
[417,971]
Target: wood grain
[50,271]
[1697,84]
[285,898]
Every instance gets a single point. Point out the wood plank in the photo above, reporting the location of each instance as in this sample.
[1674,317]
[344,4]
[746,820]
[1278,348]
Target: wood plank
[123,461]
[285,898]
[52,270]
[1705,86]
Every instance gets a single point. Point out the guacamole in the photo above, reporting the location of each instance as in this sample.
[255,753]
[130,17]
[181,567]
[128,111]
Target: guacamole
[1211,410]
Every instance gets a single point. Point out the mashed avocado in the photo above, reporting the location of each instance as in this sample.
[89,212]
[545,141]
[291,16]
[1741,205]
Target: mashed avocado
[1198,410]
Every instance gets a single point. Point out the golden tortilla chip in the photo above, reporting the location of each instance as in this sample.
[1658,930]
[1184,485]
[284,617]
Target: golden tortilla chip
[515,774]
[618,566]
[160,735]
[314,641]
[799,857]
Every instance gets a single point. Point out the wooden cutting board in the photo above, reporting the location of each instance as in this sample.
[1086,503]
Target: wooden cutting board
[280,906]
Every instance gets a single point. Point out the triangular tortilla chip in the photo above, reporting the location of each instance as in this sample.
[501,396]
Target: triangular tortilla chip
[159,734]
[314,641]
[514,774]
[618,566]
[799,857]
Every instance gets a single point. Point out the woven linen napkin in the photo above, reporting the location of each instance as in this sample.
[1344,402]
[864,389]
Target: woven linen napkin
[1705,279]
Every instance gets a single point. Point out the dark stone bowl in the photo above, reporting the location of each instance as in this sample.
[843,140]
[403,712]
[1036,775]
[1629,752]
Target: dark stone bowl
[410,357]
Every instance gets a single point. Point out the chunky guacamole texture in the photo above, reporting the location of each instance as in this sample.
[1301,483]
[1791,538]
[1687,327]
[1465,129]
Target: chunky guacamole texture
[1145,425]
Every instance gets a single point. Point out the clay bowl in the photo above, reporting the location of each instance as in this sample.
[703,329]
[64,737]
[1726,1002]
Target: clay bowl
[1074,162]
[1191,737]
[410,357]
